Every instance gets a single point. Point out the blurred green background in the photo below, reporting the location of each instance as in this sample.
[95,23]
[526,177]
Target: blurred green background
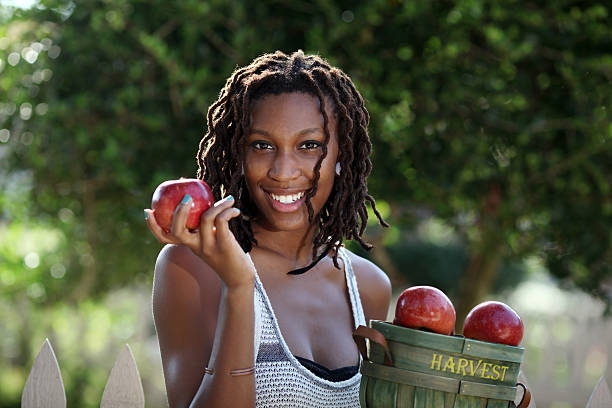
[492,129]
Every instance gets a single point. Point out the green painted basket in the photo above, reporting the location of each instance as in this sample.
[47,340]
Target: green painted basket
[410,368]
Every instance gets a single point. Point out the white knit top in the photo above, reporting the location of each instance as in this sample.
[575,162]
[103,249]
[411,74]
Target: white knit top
[280,380]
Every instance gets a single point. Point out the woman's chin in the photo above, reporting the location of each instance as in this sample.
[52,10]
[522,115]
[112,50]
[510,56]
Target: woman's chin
[290,222]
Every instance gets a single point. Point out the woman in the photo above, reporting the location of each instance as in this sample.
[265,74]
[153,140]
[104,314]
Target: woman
[257,307]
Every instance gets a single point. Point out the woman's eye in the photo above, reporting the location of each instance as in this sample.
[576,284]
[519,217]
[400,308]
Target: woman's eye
[260,145]
[311,144]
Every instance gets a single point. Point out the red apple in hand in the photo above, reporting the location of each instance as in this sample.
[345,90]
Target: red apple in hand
[170,193]
[425,307]
[494,322]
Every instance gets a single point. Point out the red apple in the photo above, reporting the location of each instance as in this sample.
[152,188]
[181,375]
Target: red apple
[170,193]
[494,322]
[425,307]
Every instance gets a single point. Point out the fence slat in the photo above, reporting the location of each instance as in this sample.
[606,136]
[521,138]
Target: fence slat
[600,398]
[44,387]
[124,387]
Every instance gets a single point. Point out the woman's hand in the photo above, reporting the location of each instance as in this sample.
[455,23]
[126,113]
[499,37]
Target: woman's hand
[213,241]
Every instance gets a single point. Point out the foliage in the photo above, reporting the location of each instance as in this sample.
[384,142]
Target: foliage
[86,338]
[494,116]
[489,117]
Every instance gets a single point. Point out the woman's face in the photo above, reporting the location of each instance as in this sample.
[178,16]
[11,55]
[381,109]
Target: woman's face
[282,150]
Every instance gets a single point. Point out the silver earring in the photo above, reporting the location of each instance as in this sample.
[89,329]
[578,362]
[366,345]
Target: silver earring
[338,168]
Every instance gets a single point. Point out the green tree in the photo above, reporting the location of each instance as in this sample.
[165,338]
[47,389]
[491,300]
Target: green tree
[490,116]
[493,116]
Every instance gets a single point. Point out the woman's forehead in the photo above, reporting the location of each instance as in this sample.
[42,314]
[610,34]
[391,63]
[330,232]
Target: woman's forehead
[297,105]
[289,113]
[328,101]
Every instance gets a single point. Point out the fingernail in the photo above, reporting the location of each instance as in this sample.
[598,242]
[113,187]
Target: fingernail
[146,215]
[229,198]
[237,209]
[186,199]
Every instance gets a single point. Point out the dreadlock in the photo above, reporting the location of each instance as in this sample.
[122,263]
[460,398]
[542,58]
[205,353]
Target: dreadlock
[221,151]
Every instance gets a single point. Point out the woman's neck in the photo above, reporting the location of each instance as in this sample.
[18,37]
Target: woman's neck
[292,245]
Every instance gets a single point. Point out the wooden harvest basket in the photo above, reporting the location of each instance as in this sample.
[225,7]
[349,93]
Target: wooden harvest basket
[427,370]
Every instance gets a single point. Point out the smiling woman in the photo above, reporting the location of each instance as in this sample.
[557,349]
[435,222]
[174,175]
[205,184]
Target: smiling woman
[257,307]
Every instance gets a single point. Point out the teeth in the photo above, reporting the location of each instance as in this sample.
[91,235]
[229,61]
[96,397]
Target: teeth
[287,199]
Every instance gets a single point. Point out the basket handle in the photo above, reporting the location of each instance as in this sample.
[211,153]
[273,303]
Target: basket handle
[362,333]
[526,397]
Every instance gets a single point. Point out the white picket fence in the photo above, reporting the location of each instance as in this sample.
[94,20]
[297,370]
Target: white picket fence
[44,387]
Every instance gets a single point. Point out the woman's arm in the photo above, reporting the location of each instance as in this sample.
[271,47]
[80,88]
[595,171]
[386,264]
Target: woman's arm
[203,314]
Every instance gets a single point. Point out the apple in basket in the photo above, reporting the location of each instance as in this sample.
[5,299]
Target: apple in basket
[170,193]
[495,322]
[425,308]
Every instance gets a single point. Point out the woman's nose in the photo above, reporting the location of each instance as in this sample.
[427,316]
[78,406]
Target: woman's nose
[284,167]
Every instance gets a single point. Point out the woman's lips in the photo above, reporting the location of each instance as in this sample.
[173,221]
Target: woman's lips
[286,202]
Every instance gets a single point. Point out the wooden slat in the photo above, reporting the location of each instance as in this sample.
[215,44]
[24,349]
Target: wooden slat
[502,392]
[418,338]
[467,401]
[494,403]
[44,387]
[381,393]
[484,349]
[600,398]
[428,398]
[405,396]
[124,387]
[401,376]
[420,359]
[363,391]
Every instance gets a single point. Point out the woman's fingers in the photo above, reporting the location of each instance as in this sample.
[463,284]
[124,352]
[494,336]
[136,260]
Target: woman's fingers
[214,242]
[208,225]
[214,228]
[161,235]
[179,219]
[223,233]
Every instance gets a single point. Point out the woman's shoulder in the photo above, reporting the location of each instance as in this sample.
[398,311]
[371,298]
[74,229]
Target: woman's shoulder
[367,270]
[181,256]
[374,286]
[183,277]
[179,262]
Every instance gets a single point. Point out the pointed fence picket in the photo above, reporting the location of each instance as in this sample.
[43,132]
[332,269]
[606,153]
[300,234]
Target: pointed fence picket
[44,387]
[124,388]
[600,398]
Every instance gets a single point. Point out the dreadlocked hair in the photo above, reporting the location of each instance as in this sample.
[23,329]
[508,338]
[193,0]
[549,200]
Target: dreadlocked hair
[222,149]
